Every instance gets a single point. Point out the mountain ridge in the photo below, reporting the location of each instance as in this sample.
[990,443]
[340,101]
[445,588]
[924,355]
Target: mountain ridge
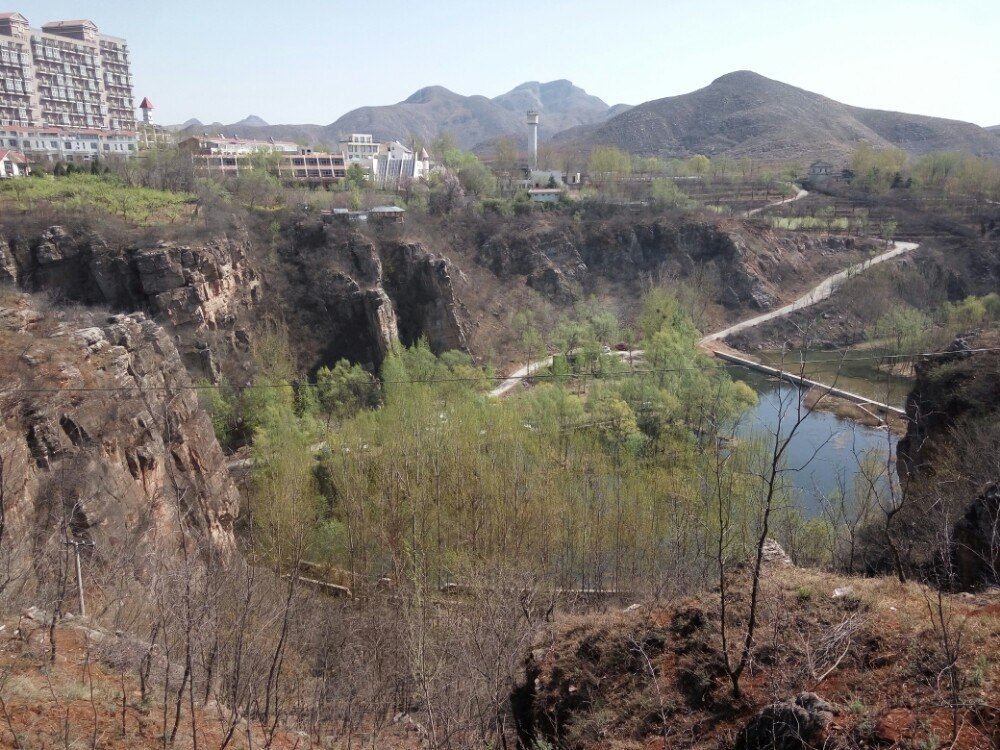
[739,114]
[745,114]
[431,110]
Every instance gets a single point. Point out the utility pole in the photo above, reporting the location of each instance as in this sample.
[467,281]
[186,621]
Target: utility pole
[79,571]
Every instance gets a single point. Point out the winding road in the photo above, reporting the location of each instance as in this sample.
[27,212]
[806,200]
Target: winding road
[797,197]
[818,293]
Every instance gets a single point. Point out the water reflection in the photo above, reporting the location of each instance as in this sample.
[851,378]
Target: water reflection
[826,451]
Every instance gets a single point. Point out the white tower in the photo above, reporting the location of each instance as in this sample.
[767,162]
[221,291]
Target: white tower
[147,109]
[533,124]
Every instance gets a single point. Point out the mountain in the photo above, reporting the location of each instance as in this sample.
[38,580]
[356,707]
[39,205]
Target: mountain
[471,120]
[252,121]
[425,114]
[194,122]
[562,104]
[304,134]
[994,129]
[746,114]
[474,120]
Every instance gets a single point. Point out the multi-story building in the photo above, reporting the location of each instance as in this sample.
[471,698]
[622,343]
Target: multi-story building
[359,148]
[396,163]
[293,163]
[68,144]
[65,75]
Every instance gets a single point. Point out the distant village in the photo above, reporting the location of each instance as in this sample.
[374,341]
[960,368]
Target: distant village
[66,97]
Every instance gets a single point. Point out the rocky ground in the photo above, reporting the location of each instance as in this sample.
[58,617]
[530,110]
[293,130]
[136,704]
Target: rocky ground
[839,663]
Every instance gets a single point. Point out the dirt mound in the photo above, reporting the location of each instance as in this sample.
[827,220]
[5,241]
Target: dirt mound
[859,661]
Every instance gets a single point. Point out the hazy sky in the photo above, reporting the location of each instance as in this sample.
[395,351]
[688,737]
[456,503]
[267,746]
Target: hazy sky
[301,61]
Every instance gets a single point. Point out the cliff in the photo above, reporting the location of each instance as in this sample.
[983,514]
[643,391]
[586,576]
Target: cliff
[102,438]
[353,296]
[948,460]
[202,292]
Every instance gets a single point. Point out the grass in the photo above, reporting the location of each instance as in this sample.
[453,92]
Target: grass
[792,223]
[103,193]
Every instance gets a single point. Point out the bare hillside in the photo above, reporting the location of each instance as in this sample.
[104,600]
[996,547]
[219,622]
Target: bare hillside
[746,114]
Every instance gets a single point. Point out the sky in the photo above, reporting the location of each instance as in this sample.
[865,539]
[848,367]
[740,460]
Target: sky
[310,61]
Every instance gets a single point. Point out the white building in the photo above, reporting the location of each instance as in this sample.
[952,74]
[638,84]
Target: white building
[68,144]
[359,148]
[395,163]
[12,164]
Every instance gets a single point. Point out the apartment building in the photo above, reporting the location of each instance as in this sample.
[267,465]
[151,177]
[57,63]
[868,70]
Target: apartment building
[65,83]
[68,144]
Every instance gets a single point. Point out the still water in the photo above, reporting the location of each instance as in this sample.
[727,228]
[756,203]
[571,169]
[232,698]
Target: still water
[863,371]
[825,451]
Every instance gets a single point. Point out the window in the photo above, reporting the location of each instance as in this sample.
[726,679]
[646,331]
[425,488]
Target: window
[93,146]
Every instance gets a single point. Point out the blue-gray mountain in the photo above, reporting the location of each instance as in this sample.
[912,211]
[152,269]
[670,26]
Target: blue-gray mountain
[740,114]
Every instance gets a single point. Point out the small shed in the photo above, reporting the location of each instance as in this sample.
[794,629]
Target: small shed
[387,215]
[821,168]
[545,195]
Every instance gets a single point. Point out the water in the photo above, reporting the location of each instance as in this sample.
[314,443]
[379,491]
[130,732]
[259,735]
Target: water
[857,371]
[825,450]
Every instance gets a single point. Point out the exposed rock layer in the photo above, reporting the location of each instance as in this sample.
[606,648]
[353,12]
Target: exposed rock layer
[102,438]
[201,292]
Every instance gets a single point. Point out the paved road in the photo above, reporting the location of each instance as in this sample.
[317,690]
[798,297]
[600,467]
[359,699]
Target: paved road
[515,378]
[798,196]
[818,293]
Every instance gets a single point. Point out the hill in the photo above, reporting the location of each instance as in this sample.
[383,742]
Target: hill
[746,114]
[472,120]
[846,663]
[304,134]
[475,119]
[253,121]
[425,114]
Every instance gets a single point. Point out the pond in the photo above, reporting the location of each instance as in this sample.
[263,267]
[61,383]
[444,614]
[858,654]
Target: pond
[862,371]
[825,450]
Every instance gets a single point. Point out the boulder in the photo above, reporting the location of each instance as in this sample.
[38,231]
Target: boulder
[788,725]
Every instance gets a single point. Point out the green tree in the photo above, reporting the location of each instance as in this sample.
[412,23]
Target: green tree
[345,390]
[666,194]
[608,164]
[697,165]
[355,177]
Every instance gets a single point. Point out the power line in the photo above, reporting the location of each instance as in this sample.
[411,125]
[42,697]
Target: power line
[800,365]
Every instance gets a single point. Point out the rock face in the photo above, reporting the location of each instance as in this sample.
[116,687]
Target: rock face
[977,541]
[948,458]
[563,261]
[788,725]
[199,292]
[356,296]
[102,438]
[420,285]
